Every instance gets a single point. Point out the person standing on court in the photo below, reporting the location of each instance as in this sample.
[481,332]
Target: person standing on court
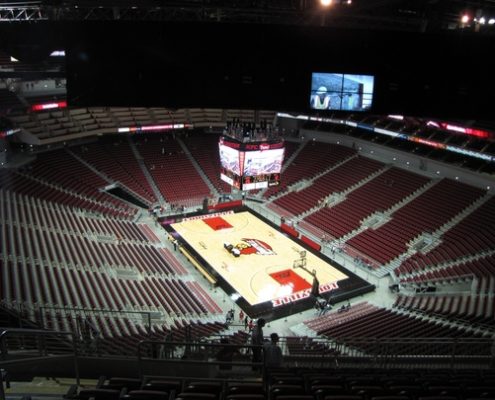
[257,341]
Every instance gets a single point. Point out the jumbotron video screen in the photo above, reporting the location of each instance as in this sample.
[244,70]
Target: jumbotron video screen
[250,166]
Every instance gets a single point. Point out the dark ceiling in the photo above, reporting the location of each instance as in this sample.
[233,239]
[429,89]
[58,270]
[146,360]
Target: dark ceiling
[402,15]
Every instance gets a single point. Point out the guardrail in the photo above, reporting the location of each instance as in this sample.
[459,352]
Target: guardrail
[201,358]
[33,343]
[342,352]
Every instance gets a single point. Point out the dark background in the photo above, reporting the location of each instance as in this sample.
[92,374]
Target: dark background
[117,63]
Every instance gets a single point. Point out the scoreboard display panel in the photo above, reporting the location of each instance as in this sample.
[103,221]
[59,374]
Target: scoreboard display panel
[250,166]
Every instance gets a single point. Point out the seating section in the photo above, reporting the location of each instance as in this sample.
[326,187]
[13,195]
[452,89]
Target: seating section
[425,213]
[173,172]
[52,123]
[334,181]
[377,195]
[480,269]
[310,161]
[52,256]
[472,308]
[118,334]
[317,383]
[63,170]
[114,158]
[18,65]
[367,321]
[9,101]
[472,235]
[28,185]
[306,346]
[65,244]
[204,149]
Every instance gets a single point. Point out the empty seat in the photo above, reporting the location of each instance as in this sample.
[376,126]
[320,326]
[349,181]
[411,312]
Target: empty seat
[391,398]
[320,391]
[203,387]
[99,394]
[285,390]
[438,398]
[346,397]
[368,391]
[146,395]
[120,383]
[443,390]
[248,396]
[162,385]
[245,388]
[195,396]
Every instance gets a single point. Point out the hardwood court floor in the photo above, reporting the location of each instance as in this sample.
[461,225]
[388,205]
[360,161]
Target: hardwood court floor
[265,272]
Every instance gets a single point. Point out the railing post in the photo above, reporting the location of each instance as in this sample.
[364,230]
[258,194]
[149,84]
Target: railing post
[454,349]
[76,360]
[41,318]
[3,346]
[3,376]
[149,323]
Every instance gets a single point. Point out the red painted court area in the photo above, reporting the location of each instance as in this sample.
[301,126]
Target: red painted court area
[288,277]
[264,270]
[217,223]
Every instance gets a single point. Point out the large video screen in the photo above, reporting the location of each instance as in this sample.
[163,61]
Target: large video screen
[229,159]
[250,166]
[345,92]
[263,162]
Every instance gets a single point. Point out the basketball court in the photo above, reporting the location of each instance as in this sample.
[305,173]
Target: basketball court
[258,263]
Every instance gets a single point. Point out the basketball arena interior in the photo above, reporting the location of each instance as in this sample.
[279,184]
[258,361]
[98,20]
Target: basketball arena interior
[173,173]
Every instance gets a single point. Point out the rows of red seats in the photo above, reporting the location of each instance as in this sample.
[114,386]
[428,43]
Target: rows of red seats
[426,213]
[377,195]
[62,169]
[204,149]
[481,268]
[173,172]
[29,186]
[383,323]
[313,158]
[334,181]
[473,308]
[116,160]
[474,234]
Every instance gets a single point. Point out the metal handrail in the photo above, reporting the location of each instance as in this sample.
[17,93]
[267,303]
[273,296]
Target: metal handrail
[5,332]
[382,351]
[207,360]
[95,311]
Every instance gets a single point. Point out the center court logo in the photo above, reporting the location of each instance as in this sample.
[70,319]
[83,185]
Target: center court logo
[254,246]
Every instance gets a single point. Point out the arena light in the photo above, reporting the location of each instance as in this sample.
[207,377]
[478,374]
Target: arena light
[49,106]
[153,128]
[235,296]
[466,130]
[9,132]
[326,3]
[491,21]
[433,123]
[58,53]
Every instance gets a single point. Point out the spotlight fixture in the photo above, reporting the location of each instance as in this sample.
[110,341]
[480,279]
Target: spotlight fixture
[326,3]
[465,18]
